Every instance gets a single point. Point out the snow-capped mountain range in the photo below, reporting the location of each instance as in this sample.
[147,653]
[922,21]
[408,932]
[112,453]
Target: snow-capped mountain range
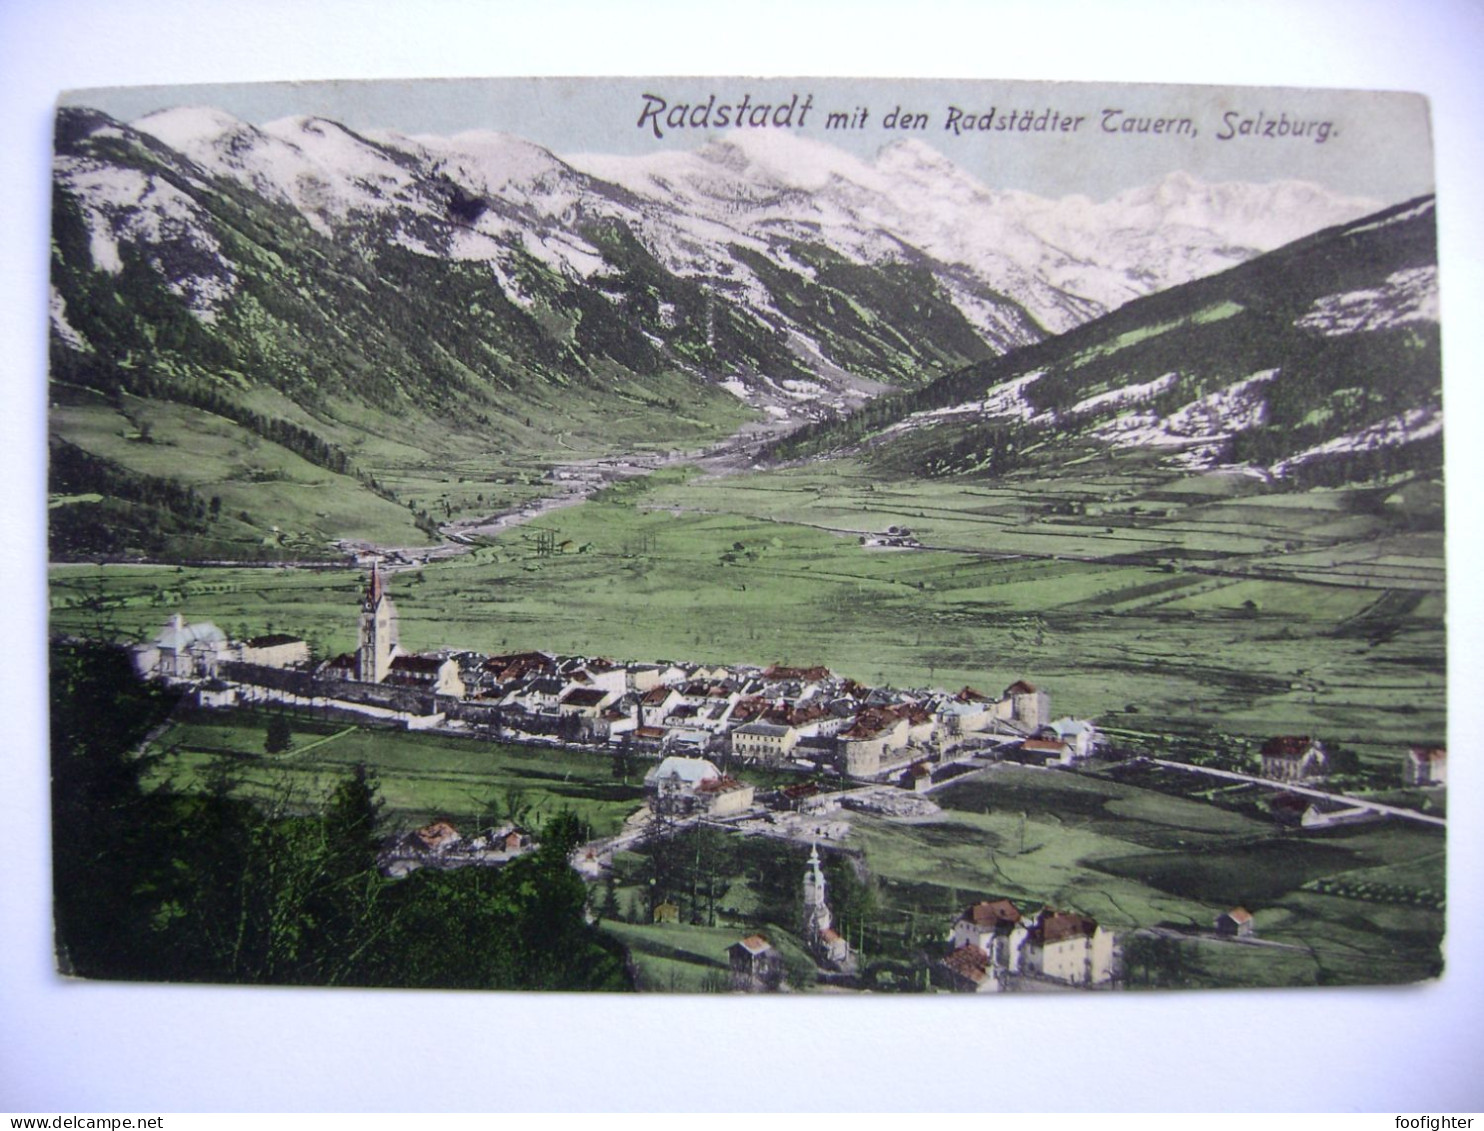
[744,216]
[1317,362]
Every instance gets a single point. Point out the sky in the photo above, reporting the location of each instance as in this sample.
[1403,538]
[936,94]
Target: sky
[1049,139]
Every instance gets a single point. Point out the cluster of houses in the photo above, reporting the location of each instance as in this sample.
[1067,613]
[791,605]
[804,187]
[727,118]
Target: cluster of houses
[689,718]
[992,945]
[439,844]
[1300,758]
[773,716]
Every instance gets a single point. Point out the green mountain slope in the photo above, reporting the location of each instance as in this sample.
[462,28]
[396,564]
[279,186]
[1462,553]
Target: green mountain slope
[1317,363]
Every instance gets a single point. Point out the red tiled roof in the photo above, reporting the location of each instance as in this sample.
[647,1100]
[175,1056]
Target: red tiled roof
[756,944]
[1430,753]
[1044,746]
[1287,746]
[1055,926]
[1020,687]
[436,835]
[872,721]
[1239,915]
[969,695]
[993,913]
[719,785]
[968,962]
[805,675]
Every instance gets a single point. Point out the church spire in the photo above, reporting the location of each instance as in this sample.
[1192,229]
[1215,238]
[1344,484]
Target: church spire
[378,631]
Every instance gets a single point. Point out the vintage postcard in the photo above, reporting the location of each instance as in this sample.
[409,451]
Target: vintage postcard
[729,535]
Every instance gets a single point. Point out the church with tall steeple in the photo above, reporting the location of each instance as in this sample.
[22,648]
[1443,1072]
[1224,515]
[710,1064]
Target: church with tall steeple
[828,946]
[378,631]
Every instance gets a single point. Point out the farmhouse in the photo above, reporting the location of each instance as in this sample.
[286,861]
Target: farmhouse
[725,796]
[1426,766]
[1236,923]
[969,970]
[1067,947]
[585,702]
[756,965]
[987,926]
[992,944]
[1294,758]
[1047,751]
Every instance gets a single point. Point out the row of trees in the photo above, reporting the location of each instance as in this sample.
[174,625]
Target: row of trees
[154,885]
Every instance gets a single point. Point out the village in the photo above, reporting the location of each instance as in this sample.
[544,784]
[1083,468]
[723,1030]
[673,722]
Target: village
[844,747]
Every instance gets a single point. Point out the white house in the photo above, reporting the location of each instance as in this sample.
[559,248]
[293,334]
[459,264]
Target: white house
[678,780]
[182,651]
[1065,947]
[988,925]
[1426,766]
[436,673]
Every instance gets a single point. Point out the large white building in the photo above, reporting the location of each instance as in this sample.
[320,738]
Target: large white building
[183,651]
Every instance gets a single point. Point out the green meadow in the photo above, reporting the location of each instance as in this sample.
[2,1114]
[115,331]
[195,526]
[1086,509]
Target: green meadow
[1198,606]
[421,776]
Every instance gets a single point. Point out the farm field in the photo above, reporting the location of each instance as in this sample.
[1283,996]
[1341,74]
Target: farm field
[421,776]
[1344,906]
[1134,858]
[1166,618]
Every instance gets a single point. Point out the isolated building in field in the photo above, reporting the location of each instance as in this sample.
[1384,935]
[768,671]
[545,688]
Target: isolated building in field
[1426,766]
[1294,758]
[756,965]
[1236,923]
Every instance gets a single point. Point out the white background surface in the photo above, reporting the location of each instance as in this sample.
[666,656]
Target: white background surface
[91,1047]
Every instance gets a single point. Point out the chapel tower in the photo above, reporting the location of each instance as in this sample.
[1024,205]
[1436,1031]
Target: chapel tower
[817,917]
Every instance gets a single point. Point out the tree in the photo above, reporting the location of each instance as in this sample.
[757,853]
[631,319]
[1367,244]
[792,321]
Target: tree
[280,735]
[1155,960]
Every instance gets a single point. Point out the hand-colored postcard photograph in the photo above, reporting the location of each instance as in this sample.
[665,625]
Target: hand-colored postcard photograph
[746,535]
